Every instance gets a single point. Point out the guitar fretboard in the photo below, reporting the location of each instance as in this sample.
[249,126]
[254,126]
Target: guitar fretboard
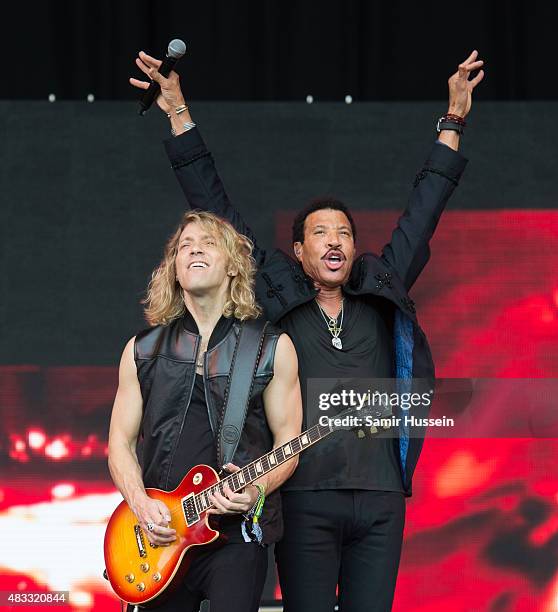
[263,465]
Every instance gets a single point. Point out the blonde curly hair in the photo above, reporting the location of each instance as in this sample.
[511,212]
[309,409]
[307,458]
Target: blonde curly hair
[164,300]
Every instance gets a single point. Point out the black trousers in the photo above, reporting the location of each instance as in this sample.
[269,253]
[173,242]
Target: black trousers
[350,538]
[232,578]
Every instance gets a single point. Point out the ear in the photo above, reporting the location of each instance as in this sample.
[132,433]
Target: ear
[232,273]
[297,248]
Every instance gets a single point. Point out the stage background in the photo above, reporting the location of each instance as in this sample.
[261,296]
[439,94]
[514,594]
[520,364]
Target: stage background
[274,50]
[88,200]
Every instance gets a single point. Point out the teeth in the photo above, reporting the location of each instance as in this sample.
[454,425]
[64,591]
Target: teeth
[198,264]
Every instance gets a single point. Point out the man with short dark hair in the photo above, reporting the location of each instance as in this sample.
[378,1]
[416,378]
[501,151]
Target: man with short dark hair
[344,507]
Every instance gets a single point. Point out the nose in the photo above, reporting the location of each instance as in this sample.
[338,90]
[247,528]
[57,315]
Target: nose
[333,241]
[195,249]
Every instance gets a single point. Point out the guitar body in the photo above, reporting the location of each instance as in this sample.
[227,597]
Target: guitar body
[139,572]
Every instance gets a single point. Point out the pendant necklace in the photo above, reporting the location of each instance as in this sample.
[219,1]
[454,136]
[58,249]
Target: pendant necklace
[332,326]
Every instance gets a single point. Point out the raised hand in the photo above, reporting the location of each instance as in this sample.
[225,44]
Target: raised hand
[461,87]
[171,95]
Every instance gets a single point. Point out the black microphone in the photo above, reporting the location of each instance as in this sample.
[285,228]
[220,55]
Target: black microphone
[177,48]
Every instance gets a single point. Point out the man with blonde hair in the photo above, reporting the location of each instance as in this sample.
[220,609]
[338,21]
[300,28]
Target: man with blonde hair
[171,402]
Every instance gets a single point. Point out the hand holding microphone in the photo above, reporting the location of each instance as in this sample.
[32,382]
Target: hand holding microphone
[165,85]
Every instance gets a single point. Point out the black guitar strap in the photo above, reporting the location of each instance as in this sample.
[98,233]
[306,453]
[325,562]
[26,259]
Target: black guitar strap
[243,370]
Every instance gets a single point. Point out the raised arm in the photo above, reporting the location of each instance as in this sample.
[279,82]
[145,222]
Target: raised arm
[408,250]
[122,459]
[192,163]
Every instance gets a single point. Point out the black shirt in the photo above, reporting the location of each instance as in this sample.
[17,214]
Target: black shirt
[342,460]
[196,444]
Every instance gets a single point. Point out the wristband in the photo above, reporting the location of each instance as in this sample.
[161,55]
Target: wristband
[187,126]
[449,123]
[251,530]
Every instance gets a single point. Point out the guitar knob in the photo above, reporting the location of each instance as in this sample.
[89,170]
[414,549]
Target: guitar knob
[130,577]
[157,577]
[361,433]
[140,586]
[373,430]
[144,567]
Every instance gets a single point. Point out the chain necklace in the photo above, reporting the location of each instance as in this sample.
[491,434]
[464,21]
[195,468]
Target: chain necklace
[332,326]
[201,355]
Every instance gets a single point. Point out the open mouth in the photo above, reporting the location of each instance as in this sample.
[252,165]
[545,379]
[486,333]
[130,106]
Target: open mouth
[198,265]
[334,260]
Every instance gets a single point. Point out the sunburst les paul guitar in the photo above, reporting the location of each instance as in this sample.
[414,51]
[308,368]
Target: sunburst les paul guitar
[142,573]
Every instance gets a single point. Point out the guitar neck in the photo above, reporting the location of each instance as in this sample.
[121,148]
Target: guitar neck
[265,464]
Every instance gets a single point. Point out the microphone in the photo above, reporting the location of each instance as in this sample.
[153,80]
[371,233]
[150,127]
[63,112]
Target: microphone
[177,48]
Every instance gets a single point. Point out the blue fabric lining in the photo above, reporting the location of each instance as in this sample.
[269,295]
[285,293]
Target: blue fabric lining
[404,343]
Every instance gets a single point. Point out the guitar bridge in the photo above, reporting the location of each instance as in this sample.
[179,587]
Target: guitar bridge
[140,541]
[191,514]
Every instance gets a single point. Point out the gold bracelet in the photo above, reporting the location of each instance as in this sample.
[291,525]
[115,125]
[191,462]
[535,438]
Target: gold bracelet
[179,109]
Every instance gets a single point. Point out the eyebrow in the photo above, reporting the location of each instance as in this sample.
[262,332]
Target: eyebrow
[204,237]
[321,225]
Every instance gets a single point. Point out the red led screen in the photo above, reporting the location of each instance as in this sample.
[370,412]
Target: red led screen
[482,525]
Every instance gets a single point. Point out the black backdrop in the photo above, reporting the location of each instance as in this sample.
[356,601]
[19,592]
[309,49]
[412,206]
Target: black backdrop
[280,50]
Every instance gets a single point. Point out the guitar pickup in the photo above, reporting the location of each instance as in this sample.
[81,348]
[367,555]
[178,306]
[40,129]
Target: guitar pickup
[140,541]
[190,512]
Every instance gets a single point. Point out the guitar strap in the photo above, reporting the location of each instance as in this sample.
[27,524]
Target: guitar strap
[243,370]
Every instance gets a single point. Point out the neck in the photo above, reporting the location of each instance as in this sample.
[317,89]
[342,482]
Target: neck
[206,310]
[329,298]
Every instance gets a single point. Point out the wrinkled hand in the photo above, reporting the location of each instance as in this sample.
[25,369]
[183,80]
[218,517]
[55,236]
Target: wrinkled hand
[171,94]
[233,503]
[461,88]
[149,510]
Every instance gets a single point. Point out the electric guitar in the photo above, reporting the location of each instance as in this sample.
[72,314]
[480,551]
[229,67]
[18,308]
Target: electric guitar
[139,572]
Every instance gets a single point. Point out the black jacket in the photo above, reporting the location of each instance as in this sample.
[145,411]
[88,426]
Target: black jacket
[165,357]
[282,285]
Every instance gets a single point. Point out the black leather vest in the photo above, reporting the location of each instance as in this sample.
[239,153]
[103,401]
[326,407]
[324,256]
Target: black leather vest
[165,360]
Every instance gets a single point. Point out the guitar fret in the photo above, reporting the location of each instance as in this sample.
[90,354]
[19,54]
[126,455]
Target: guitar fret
[265,463]
[235,483]
[272,458]
[304,440]
[279,454]
[287,449]
[251,472]
[295,444]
